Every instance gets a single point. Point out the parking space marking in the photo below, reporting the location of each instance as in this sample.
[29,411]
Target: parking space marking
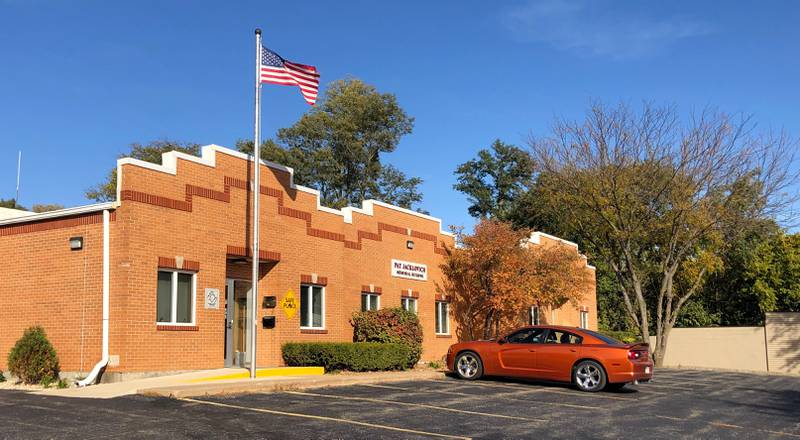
[501,395]
[417,405]
[731,426]
[547,390]
[329,419]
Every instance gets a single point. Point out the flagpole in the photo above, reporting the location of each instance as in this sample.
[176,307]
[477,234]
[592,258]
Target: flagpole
[256,196]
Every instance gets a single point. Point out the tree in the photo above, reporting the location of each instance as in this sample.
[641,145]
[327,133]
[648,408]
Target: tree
[336,147]
[657,197]
[496,180]
[151,152]
[495,275]
[774,274]
[11,203]
[46,207]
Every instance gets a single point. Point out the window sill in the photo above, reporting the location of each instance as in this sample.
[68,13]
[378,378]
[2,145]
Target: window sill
[313,331]
[443,335]
[176,328]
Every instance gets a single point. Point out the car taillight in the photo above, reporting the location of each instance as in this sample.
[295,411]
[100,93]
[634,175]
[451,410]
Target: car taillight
[635,355]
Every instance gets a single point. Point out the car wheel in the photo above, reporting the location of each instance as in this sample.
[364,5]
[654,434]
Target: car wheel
[589,376]
[469,366]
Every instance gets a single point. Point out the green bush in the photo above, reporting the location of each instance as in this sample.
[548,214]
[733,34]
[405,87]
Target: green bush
[2,377]
[353,356]
[33,358]
[394,326]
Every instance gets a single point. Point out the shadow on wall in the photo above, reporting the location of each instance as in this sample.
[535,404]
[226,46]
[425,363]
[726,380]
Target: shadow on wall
[783,342]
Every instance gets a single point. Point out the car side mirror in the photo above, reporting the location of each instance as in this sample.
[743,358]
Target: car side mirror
[501,341]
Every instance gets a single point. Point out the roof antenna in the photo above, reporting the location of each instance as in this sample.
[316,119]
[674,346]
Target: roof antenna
[19,167]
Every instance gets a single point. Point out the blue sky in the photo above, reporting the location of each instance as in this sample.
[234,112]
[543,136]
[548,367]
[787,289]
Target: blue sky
[80,80]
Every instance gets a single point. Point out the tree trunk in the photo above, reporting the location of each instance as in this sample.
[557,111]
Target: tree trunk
[661,345]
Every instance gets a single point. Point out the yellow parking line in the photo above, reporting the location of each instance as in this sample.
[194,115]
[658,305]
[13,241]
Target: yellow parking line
[417,405]
[265,372]
[330,419]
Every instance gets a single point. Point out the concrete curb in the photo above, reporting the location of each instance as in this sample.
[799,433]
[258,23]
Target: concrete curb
[270,385]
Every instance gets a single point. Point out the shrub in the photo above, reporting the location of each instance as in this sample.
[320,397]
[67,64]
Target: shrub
[353,356]
[33,358]
[2,377]
[394,326]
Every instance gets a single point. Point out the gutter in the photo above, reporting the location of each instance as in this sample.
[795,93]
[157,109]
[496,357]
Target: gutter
[92,377]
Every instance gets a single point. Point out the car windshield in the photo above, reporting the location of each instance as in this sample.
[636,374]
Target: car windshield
[604,338]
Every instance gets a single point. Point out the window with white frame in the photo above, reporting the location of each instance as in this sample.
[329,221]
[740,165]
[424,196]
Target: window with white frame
[370,301]
[584,319]
[409,304]
[175,297]
[312,306]
[442,318]
[534,315]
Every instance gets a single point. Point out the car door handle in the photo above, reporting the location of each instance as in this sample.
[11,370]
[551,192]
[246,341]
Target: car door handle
[573,350]
[532,350]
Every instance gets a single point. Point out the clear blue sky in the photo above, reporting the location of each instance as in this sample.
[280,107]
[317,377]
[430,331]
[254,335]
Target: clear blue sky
[80,80]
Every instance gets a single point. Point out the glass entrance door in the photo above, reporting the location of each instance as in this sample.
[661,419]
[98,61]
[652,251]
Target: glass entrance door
[237,334]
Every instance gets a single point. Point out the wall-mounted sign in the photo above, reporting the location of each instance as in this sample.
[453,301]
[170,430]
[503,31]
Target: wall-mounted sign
[212,298]
[407,269]
[289,304]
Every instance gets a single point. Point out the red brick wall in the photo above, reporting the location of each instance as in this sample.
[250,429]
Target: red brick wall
[199,215]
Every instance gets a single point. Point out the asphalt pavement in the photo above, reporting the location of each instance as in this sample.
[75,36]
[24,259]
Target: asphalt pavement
[677,404]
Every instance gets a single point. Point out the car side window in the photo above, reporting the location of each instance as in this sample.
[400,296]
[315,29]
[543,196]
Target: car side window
[526,336]
[562,337]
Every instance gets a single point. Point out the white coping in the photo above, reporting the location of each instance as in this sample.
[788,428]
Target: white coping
[59,213]
[536,238]
[6,213]
[169,163]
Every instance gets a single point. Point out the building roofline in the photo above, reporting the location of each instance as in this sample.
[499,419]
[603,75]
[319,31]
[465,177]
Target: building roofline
[169,165]
[66,212]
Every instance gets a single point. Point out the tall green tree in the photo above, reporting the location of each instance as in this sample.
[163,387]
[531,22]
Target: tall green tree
[657,196]
[337,147]
[151,152]
[495,180]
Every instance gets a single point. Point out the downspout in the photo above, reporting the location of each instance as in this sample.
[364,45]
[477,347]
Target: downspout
[90,379]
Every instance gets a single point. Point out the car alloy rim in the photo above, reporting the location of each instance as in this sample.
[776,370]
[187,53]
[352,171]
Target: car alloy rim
[467,365]
[588,376]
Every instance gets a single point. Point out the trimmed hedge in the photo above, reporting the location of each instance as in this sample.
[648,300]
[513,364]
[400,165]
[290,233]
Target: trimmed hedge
[353,356]
[33,358]
[394,326]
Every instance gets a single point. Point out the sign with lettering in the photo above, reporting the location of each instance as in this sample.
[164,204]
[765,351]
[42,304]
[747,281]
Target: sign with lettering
[407,269]
[289,304]
[212,298]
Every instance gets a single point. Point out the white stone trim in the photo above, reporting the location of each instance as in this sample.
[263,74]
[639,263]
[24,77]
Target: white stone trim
[66,212]
[169,165]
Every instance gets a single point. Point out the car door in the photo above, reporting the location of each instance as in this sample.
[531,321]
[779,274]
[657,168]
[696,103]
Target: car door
[555,357]
[517,355]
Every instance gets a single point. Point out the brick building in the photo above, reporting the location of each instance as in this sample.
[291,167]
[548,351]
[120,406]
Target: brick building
[169,261]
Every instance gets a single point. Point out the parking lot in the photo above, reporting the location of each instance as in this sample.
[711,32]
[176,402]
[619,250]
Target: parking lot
[679,403]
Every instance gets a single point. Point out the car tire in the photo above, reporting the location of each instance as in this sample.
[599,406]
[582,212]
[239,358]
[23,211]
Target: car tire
[589,376]
[468,366]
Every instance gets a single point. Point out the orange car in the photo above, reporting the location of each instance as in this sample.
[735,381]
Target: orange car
[590,360]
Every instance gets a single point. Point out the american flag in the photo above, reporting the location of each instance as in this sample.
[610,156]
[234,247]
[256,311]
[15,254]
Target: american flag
[276,70]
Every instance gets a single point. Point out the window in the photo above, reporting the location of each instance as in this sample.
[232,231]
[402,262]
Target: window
[312,306]
[370,301]
[175,298]
[562,337]
[604,338]
[584,319]
[534,315]
[442,315]
[526,336]
[409,304]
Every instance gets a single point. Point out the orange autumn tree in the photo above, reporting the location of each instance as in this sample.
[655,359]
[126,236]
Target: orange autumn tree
[496,274]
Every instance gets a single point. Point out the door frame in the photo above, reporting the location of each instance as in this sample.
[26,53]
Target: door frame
[229,324]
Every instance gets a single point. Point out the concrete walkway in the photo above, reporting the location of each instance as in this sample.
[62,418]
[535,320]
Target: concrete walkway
[228,381]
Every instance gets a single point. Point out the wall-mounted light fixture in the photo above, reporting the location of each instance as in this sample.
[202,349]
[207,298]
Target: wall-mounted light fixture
[76,243]
[410,244]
